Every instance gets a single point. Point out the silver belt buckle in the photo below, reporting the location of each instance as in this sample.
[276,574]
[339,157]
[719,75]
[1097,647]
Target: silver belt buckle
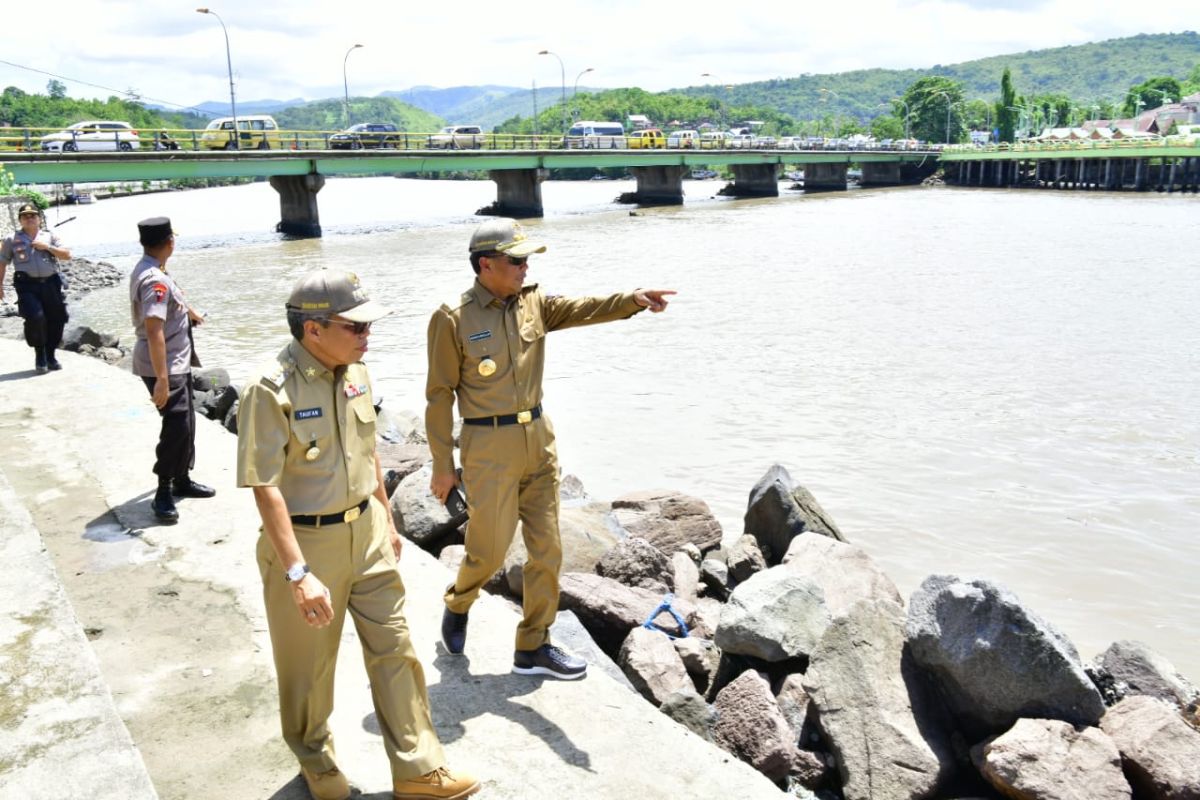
[351,514]
[524,417]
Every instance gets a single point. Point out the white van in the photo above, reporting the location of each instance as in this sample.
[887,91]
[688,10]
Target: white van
[684,139]
[255,132]
[596,134]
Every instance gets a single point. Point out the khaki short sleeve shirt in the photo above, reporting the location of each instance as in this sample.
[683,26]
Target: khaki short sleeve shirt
[309,431]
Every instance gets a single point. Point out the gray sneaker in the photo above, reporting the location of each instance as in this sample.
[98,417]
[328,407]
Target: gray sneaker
[549,660]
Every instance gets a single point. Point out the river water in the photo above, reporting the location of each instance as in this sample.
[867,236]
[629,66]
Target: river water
[990,383]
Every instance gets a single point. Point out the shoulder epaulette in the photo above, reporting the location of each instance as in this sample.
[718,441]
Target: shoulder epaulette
[276,372]
[459,300]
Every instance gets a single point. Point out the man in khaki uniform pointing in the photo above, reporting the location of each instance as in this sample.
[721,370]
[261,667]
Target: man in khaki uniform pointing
[488,349]
[306,444]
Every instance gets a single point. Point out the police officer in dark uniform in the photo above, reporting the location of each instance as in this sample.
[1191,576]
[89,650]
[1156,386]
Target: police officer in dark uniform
[163,358]
[34,254]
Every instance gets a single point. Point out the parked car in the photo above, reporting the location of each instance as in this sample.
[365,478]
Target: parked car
[765,142]
[457,137]
[683,139]
[741,141]
[365,134]
[254,132]
[713,140]
[596,134]
[790,143]
[93,135]
[649,138]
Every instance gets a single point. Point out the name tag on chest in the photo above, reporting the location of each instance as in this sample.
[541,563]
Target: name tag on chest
[308,413]
[479,337]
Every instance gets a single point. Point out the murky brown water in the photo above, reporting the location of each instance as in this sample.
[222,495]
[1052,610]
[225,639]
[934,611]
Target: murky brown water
[1001,384]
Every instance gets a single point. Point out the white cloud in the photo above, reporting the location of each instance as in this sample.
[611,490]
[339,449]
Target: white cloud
[297,48]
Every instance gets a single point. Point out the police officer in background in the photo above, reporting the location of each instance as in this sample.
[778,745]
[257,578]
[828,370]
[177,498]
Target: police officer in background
[163,357]
[34,254]
[488,350]
[306,445]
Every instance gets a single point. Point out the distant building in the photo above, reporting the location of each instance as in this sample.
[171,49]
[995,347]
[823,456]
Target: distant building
[638,122]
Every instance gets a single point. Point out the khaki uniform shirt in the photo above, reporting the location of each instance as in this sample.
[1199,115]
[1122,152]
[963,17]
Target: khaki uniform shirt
[310,431]
[18,251]
[511,334]
[153,293]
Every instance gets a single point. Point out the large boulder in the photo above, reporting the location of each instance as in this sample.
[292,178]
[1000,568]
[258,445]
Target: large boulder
[209,379]
[401,459]
[775,616]
[668,520]
[691,711]
[610,610]
[685,576]
[845,573]
[569,632]
[700,658]
[886,730]
[81,335]
[636,562]
[750,726]
[587,532]
[1143,671]
[419,515]
[1160,752]
[745,558]
[994,659]
[651,664]
[780,510]
[1048,759]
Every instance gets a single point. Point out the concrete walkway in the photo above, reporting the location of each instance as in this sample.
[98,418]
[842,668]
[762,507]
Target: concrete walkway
[135,657]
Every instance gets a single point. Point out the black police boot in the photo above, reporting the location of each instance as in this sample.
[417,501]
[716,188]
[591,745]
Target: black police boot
[39,360]
[163,504]
[454,632]
[52,362]
[186,487]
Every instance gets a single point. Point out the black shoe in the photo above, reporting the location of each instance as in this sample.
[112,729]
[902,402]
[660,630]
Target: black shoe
[454,632]
[163,504]
[549,660]
[186,487]
[39,360]
[53,365]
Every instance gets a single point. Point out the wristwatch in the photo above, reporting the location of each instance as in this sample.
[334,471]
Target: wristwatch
[296,572]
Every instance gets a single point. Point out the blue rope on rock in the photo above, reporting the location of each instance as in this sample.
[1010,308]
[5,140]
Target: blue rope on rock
[665,605]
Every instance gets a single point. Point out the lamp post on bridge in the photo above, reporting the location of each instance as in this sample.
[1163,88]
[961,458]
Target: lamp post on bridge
[562,71]
[720,102]
[575,91]
[824,92]
[346,84]
[229,64]
[949,104]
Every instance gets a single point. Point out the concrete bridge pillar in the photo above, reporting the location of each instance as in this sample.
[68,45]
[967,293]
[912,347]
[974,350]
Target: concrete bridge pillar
[879,174]
[518,193]
[657,186]
[298,211]
[762,180]
[1139,174]
[824,176]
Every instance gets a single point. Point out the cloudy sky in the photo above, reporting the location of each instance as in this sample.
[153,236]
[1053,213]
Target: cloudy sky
[167,52]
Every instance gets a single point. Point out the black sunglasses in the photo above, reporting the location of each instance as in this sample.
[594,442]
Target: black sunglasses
[357,328]
[516,261]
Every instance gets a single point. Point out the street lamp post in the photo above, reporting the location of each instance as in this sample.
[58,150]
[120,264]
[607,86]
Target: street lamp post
[563,75]
[228,63]
[720,102]
[575,90]
[949,104]
[823,92]
[907,114]
[346,84]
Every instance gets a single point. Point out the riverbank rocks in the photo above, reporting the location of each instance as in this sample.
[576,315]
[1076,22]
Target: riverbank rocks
[995,660]
[610,610]
[636,562]
[668,520]
[780,510]
[81,276]
[650,662]
[587,532]
[80,336]
[745,558]
[691,711]
[419,515]
[1139,670]
[1047,759]
[775,616]
[750,725]
[1160,752]
[845,573]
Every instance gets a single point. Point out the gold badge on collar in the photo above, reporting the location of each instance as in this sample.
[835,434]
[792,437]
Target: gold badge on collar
[487,368]
[310,372]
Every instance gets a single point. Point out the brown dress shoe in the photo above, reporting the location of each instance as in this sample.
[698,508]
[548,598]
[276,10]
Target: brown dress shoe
[328,785]
[441,784]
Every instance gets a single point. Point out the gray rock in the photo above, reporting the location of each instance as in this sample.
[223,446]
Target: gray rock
[650,662]
[793,702]
[80,335]
[689,710]
[1047,759]
[209,379]
[400,427]
[1143,671]
[845,573]
[750,726]
[775,615]
[636,562]
[884,728]
[231,419]
[692,552]
[451,556]
[112,355]
[568,632]
[700,658]
[403,458]
[779,510]
[745,558]
[668,520]
[570,488]
[715,577]
[610,610]
[813,770]
[419,515]
[994,659]
[1160,752]
[685,576]
[217,402]
[587,532]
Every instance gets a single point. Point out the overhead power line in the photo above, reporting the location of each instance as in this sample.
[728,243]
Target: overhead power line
[125,92]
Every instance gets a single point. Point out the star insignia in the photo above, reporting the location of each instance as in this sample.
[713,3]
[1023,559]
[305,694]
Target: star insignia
[310,372]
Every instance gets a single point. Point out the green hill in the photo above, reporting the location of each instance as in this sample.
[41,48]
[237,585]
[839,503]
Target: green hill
[327,115]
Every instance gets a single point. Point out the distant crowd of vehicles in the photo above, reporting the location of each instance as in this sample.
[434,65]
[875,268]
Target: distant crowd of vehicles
[261,132]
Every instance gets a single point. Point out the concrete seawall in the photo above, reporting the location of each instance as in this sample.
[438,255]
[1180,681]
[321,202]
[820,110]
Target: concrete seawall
[125,643]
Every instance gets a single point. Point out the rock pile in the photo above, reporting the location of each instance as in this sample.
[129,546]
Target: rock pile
[793,651]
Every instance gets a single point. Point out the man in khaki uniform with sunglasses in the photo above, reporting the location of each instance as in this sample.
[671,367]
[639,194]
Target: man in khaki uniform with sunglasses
[487,349]
[306,445]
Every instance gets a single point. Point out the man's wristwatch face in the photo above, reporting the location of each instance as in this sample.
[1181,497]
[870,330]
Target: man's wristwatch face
[296,572]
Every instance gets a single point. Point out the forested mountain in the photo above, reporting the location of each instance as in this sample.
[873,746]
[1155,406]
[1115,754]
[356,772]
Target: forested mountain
[327,115]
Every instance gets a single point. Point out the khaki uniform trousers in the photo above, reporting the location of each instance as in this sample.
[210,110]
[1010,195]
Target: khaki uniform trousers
[510,473]
[356,563]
